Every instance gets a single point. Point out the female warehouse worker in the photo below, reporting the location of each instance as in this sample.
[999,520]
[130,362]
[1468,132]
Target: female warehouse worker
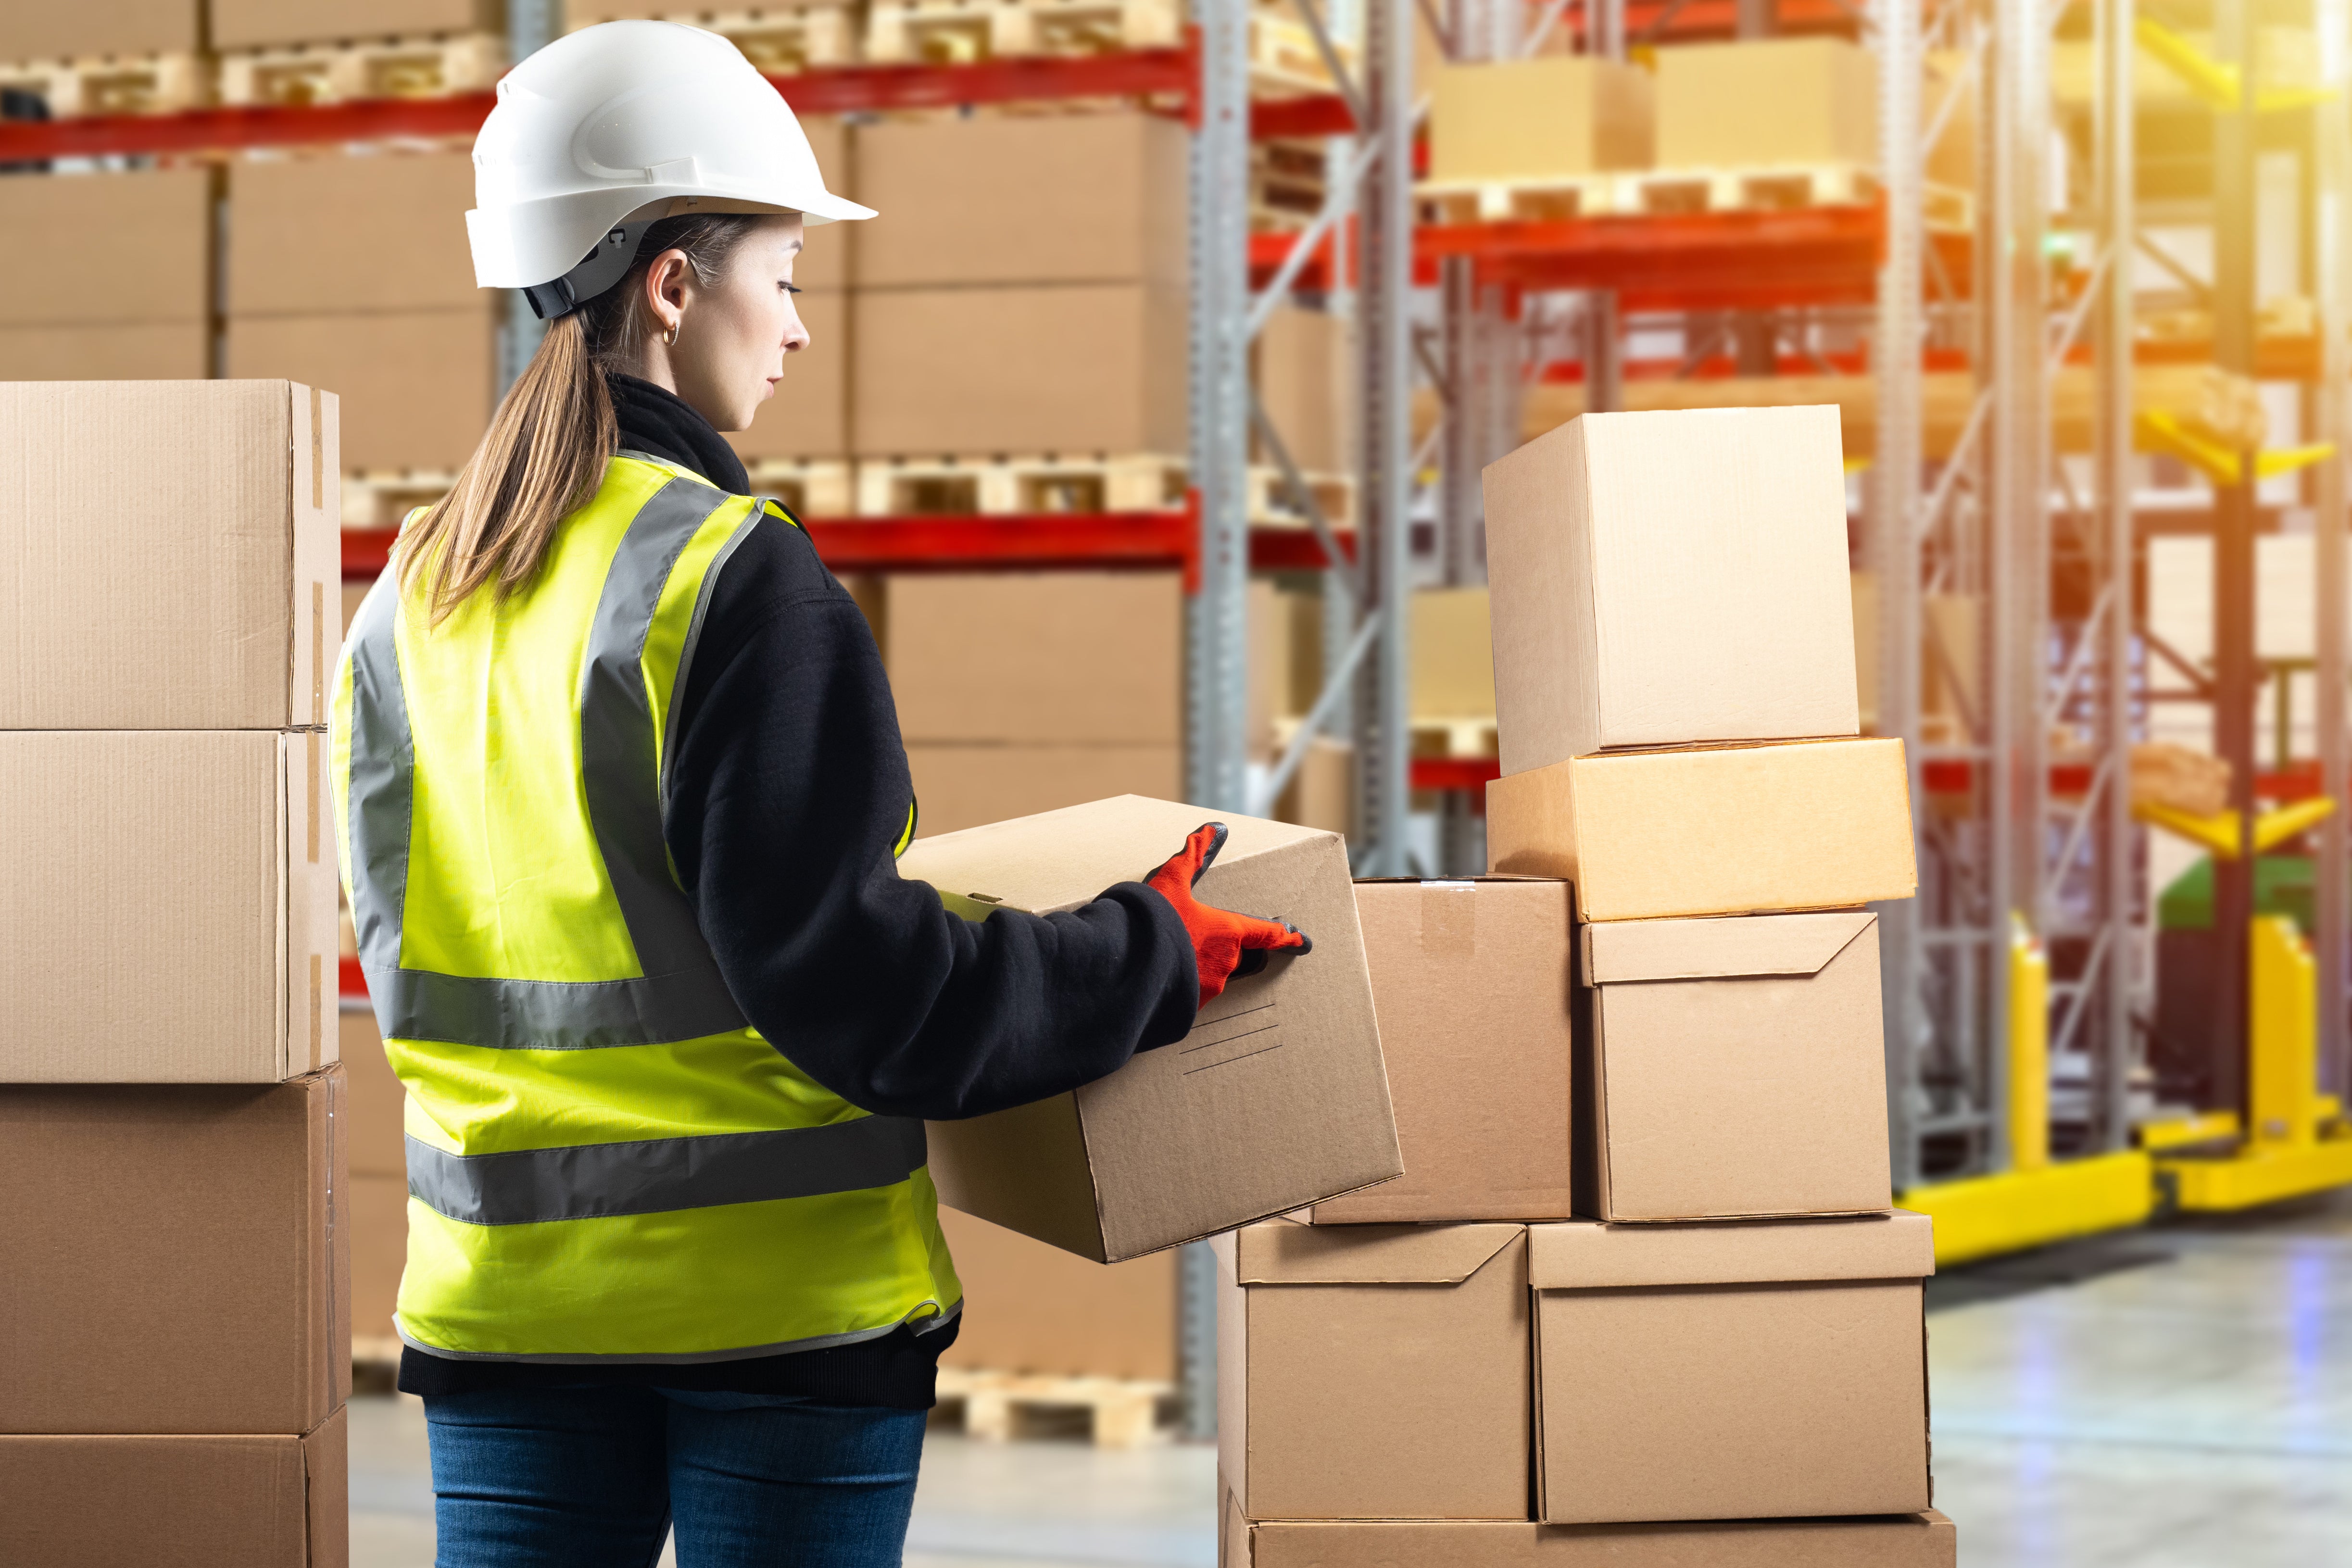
[622,789]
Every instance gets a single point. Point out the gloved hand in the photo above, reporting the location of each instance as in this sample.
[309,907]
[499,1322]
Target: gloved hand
[1225,945]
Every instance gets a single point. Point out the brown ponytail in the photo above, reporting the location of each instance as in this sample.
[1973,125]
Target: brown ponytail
[545,452]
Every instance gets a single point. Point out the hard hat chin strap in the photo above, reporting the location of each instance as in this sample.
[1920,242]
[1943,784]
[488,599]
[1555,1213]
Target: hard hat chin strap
[601,269]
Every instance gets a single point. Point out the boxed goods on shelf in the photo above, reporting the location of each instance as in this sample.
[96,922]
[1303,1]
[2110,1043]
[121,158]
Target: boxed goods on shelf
[1564,114]
[1735,1068]
[337,234]
[372,1127]
[1744,1371]
[969,784]
[250,24]
[1766,101]
[118,27]
[1276,1100]
[1733,829]
[378,1215]
[1374,1372]
[1473,981]
[132,306]
[1299,365]
[140,351]
[1029,1307]
[1905,1540]
[1452,668]
[215,506]
[416,384]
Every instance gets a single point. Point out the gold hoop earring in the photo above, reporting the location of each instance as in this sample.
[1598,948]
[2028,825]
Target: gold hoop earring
[670,337]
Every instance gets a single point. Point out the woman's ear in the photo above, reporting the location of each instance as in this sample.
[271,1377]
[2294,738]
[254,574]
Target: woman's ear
[665,289]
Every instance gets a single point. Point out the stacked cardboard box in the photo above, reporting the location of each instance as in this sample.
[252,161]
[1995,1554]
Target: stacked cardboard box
[171,1164]
[107,277]
[1638,1296]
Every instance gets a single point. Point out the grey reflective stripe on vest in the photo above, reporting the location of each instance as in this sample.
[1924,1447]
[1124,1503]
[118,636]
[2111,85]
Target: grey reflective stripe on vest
[673,721]
[656,1175]
[926,1318]
[383,783]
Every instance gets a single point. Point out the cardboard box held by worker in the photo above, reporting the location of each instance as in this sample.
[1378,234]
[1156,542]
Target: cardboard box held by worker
[1736,1069]
[1473,981]
[1373,1371]
[1276,1100]
[1755,1370]
[1908,1540]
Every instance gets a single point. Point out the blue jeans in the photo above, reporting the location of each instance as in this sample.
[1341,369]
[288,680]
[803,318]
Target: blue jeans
[587,1478]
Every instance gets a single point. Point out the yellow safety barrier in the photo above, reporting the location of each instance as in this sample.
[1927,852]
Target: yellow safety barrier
[2218,833]
[2154,430]
[2218,82]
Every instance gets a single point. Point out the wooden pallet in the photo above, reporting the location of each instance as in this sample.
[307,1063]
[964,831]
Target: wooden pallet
[1121,1413]
[780,40]
[428,67]
[380,499]
[1287,185]
[1548,200]
[1272,505]
[98,84]
[1283,59]
[810,487]
[957,32]
[897,487]
[1464,735]
[1668,191]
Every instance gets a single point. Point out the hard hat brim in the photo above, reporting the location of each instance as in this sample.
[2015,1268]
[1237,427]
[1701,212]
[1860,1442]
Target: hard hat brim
[519,248]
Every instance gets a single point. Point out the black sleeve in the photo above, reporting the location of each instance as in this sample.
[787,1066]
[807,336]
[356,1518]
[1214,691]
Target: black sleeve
[789,793]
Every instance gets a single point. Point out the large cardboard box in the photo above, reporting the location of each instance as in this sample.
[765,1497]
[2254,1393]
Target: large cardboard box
[30,32]
[1737,1068]
[213,506]
[1052,657]
[961,785]
[1526,120]
[169,911]
[1374,1372]
[1301,363]
[378,1217]
[1665,578]
[136,352]
[1276,1100]
[230,1501]
[1767,100]
[196,1229]
[809,415]
[333,235]
[248,24]
[1021,199]
[1900,1541]
[1030,1308]
[1736,829]
[1472,984]
[1744,1371]
[140,247]
[416,384]
[1066,367]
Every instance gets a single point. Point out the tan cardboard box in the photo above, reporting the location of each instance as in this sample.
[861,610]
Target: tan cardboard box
[1066,367]
[140,243]
[416,384]
[1373,1371]
[1276,1100]
[1301,366]
[809,415]
[378,1214]
[1741,1371]
[278,1502]
[248,24]
[1769,100]
[337,234]
[213,506]
[169,911]
[1525,120]
[1472,984]
[1453,670]
[1030,1308]
[1049,657]
[1900,1541]
[193,1227]
[99,27]
[1094,198]
[1738,1068]
[1664,577]
[378,1146]
[959,786]
[1733,829]
[138,351]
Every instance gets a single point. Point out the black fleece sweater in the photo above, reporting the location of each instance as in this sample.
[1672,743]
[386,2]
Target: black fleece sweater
[789,791]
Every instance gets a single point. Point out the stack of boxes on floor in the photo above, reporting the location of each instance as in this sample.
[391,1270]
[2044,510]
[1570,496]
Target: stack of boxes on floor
[170,1111]
[1638,1297]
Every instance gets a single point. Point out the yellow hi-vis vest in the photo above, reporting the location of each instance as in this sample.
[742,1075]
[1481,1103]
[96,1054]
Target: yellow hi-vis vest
[605,1162]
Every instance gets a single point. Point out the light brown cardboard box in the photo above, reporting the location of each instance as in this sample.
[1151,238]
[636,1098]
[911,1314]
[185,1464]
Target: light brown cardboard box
[1665,578]
[247,23]
[1066,367]
[1059,657]
[214,506]
[193,1227]
[140,247]
[1525,120]
[339,234]
[959,786]
[1301,363]
[169,911]
[100,27]
[809,415]
[1094,198]
[1276,1100]
[1743,1371]
[1737,1068]
[378,1213]
[139,352]
[378,1146]
[1030,1308]
[78,1501]
[1902,1541]
[1374,1372]
[1734,829]
[1453,671]
[416,384]
[1770,101]
[1472,984]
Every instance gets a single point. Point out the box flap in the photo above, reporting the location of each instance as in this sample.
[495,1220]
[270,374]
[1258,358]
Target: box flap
[1583,1255]
[1280,1252]
[1624,951]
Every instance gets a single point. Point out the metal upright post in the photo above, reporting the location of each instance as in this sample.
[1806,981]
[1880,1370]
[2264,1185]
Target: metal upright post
[531,25]
[2119,222]
[1605,353]
[2331,138]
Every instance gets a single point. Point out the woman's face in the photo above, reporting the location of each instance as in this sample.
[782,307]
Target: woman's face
[732,338]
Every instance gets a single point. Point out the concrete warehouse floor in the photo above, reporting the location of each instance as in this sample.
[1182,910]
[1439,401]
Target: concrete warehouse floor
[2173,1398]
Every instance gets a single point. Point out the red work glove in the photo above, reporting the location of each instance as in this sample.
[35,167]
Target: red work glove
[1225,945]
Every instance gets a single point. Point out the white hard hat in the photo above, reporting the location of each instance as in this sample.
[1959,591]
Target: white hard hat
[616,126]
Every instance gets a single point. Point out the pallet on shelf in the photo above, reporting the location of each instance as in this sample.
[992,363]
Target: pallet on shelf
[1283,58]
[1287,185]
[1553,199]
[781,40]
[380,500]
[1661,192]
[1458,734]
[953,31]
[1005,486]
[1272,505]
[1121,1413]
[293,75]
[110,84]
[810,486]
